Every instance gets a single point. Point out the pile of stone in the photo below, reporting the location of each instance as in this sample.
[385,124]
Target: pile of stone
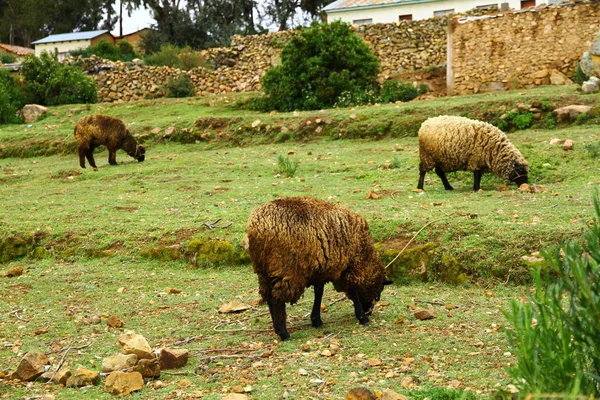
[125,372]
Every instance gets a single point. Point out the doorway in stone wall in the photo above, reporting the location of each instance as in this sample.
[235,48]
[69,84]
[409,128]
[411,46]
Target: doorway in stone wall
[527,3]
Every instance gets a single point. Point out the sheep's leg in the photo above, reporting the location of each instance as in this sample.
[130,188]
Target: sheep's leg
[476,180]
[89,154]
[442,176]
[421,180]
[359,313]
[277,310]
[112,156]
[82,154]
[315,315]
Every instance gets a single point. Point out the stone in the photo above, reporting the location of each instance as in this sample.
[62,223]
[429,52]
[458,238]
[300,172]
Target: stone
[360,394]
[557,141]
[558,78]
[31,366]
[59,377]
[122,383]
[119,362]
[114,322]
[173,358]
[235,396]
[590,86]
[423,315]
[570,113]
[389,394]
[14,272]
[568,145]
[32,112]
[590,64]
[83,377]
[148,368]
[132,343]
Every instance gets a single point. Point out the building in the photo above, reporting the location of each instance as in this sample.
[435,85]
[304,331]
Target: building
[360,12]
[64,43]
[135,39]
[17,52]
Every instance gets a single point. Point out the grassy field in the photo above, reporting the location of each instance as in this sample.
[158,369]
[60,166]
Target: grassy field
[95,243]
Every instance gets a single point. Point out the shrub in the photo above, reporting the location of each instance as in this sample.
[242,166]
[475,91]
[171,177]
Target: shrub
[10,99]
[286,167]
[578,75]
[7,58]
[554,335]
[318,66]
[122,51]
[172,56]
[593,149]
[181,86]
[50,83]
[393,90]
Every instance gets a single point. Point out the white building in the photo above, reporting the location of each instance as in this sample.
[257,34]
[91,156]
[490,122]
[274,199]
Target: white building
[360,12]
[67,42]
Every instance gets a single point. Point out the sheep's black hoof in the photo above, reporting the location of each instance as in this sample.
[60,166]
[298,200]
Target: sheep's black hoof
[284,335]
[363,321]
[316,322]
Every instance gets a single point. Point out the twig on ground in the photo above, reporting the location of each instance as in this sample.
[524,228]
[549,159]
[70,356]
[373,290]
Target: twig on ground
[16,314]
[62,360]
[410,241]
[213,225]
[434,303]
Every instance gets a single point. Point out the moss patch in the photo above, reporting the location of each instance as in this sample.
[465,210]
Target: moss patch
[414,262]
[450,271]
[203,252]
[163,253]
[15,246]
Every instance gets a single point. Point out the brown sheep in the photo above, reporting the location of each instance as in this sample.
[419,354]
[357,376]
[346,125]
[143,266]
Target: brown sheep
[297,242]
[449,143]
[96,130]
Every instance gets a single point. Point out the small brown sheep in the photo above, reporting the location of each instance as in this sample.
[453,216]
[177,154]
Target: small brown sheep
[96,130]
[297,242]
[449,143]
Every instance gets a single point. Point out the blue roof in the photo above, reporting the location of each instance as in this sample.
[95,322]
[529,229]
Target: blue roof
[67,37]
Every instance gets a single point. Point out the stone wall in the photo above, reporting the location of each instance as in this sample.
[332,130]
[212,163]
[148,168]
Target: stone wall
[520,48]
[399,47]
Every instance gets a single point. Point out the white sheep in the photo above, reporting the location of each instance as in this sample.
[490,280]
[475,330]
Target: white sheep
[449,143]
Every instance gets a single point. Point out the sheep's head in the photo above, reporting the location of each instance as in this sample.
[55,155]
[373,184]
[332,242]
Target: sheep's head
[140,153]
[371,296]
[518,174]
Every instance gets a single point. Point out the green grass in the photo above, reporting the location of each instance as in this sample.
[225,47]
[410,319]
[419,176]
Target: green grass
[93,225]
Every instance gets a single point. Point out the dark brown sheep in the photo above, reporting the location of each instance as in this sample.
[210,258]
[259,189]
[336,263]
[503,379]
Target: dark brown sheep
[297,242]
[101,130]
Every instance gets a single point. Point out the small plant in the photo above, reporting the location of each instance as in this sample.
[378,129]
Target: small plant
[10,99]
[181,86]
[393,90]
[554,336]
[286,167]
[7,58]
[593,149]
[578,76]
[582,118]
[172,56]
[395,163]
[522,120]
[122,51]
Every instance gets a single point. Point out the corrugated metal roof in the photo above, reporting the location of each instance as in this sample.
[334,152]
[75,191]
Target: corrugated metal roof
[67,37]
[359,3]
[18,50]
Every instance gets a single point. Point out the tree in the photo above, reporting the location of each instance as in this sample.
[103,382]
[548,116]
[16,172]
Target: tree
[282,12]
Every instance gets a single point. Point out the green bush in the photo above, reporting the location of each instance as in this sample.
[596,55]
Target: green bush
[319,65]
[181,86]
[49,82]
[286,167]
[394,90]
[171,56]
[578,76]
[515,120]
[554,336]
[10,99]
[7,58]
[122,51]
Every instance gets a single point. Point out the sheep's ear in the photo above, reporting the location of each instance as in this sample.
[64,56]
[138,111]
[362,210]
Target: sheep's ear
[387,282]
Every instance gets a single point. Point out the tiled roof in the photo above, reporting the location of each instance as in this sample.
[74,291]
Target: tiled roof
[359,3]
[67,37]
[18,50]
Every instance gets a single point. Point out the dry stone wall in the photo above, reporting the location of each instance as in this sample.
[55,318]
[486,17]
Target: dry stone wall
[521,48]
[408,45]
